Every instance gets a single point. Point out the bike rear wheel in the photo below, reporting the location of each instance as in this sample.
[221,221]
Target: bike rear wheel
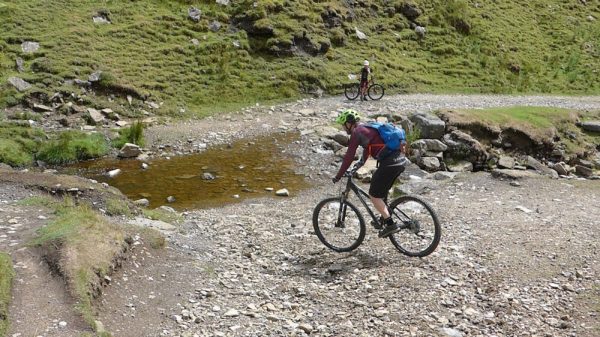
[421,230]
[351,91]
[376,91]
[339,226]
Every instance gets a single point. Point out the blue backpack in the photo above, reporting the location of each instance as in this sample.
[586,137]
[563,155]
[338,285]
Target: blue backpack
[392,137]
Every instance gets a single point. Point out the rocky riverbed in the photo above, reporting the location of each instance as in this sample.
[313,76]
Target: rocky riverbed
[518,255]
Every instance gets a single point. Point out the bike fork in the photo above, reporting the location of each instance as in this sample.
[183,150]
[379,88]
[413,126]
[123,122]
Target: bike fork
[342,214]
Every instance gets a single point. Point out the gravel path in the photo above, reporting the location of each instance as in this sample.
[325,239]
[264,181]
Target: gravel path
[514,260]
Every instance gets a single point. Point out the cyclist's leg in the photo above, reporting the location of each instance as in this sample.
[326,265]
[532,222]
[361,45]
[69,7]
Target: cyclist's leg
[363,89]
[381,183]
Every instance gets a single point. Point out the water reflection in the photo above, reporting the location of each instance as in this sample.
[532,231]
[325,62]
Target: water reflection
[240,170]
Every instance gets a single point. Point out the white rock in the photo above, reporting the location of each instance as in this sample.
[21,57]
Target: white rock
[282,193]
[231,313]
[114,173]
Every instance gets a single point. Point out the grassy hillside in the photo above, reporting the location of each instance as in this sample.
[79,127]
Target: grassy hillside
[280,49]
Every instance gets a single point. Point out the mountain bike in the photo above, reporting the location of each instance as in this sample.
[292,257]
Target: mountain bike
[375,91]
[340,226]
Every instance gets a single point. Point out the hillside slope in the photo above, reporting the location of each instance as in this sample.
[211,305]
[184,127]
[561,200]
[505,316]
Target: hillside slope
[241,52]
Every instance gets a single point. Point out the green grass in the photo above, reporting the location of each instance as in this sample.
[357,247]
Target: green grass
[6,275]
[147,52]
[162,215]
[117,207]
[45,201]
[18,144]
[72,146]
[532,116]
[21,145]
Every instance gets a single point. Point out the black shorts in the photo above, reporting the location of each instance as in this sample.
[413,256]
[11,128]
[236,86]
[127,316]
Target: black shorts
[383,178]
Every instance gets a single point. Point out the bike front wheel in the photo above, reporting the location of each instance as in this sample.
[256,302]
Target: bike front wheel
[421,230]
[376,92]
[339,226]
[351,91]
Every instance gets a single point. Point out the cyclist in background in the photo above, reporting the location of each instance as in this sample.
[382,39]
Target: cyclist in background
[388,168]
[365,73]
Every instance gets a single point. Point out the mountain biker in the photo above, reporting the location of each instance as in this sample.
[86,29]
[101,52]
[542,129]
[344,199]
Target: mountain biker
[365,73]
[388,168]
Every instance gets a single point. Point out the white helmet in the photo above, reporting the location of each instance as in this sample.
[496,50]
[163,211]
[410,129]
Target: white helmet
[366,63]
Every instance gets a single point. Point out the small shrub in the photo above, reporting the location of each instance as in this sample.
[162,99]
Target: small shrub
[133,134]
[107,80]
[9,97]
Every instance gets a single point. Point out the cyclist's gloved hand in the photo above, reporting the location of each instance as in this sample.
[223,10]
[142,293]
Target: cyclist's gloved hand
[358,165]
[335,179]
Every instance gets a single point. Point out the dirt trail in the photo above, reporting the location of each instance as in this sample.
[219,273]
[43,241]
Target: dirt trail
[41,306]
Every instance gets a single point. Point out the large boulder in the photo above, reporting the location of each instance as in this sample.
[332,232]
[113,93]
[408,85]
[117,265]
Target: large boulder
[410,11]
[591,126]
[425,145]
[19,83]
[130,151]
[194,14]
[583,171]
[29,47]
[430,126]
[463,146]
[460,166]
[506,162]
[533,163]
[430,163]
[94,117]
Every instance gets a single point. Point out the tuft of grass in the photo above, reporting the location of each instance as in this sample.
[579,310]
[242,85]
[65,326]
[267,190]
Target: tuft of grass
[133,134]
[72,146]
[6,276]
[162,215]
[45,201]
[117,207]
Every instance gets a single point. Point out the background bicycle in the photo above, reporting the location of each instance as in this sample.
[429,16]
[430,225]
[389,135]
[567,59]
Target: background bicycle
[375,91]
[340,225]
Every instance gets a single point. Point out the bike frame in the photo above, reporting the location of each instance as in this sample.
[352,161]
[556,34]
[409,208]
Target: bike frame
[362,194]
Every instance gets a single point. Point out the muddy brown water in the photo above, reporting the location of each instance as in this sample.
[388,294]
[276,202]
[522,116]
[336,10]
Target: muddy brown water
[247,168]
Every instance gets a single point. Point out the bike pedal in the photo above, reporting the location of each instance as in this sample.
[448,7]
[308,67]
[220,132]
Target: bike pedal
[376,224]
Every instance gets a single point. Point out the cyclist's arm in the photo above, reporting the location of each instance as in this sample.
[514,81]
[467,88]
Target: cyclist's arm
[349,157]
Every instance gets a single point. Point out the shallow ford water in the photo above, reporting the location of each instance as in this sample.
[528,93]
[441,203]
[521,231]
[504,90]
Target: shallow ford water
[242,169]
